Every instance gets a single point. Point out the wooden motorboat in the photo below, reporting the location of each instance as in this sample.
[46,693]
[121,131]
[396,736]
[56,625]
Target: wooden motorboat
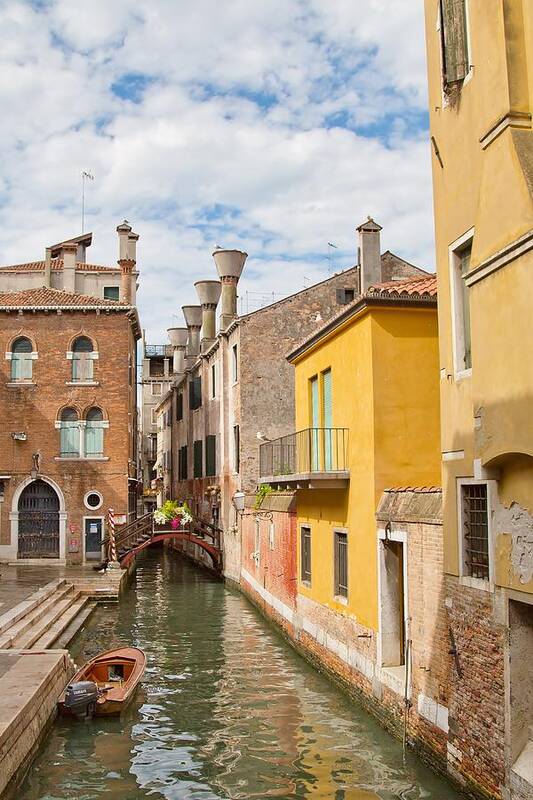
[105,684]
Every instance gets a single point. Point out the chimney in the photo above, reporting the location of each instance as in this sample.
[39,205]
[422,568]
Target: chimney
[208,294]
[69,266]
[178,340]
[229,264]
[369,254]
[47,279]
[193,320]
[126,260]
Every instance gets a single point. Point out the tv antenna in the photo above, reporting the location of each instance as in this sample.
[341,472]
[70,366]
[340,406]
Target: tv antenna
[331,248]
[84,176]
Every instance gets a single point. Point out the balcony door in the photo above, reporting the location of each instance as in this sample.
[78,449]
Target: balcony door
[328,419]
[315,422]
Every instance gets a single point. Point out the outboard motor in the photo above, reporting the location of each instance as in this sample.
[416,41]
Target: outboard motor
[80,699]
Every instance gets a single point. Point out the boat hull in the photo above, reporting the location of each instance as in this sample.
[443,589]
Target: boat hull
[117,674]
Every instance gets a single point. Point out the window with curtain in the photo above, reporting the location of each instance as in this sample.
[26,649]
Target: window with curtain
[82,359]
[94,433]
[69,433]
[21,359]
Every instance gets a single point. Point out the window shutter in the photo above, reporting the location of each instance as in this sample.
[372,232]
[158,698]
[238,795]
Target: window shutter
[179,407]
[455,48]
[210,455]
[340,297]
[198,458]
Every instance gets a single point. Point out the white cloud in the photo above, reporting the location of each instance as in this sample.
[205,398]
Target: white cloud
[275,126]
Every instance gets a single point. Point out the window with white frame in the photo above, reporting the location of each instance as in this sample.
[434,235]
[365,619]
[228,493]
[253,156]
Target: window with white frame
[474,528]
[70,436]
[83,355]
[460,254]
[81,438]
[22,357]
[234,363]
[236,448]
[214,379]
[153,416]
[94,433]
[157,389]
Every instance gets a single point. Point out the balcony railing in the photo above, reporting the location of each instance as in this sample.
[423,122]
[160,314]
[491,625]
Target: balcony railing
[312,452]
[157,350]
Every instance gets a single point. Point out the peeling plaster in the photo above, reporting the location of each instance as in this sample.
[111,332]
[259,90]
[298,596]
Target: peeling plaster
[517,523]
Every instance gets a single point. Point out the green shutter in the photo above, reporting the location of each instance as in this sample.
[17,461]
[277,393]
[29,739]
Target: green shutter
[210,456]
[327,410]
[198,458]
[454,38]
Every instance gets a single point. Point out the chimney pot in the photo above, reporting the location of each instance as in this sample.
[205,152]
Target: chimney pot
[229,264]
[193,320]
[369,254]
[69,266]
[208,294]
[178,339]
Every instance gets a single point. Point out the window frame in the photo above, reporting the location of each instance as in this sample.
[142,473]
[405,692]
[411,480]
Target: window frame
[153,415]
[236,449]
[460,371]
[235,364]
[153,385]
[89,357]
[487,584]
[337,586]
[213,380]
[210,469]
[306,579]
[198,460]
[179,406]
[447,85]
[31,356]
[117,298]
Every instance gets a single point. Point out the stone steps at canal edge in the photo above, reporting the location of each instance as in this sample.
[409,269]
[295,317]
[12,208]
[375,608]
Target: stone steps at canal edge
[43,618]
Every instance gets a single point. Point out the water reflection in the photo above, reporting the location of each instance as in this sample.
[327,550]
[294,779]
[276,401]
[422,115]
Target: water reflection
[227,710]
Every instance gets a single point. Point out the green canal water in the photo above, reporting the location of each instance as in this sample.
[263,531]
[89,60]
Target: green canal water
[227,710]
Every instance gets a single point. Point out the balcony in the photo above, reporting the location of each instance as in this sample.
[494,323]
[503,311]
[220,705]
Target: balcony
[311,458]
[154,350]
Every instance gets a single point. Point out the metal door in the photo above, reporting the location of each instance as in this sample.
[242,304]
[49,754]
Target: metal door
[93,539]
[38,523]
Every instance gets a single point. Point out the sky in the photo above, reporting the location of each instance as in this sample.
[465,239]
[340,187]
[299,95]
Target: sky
[273,126]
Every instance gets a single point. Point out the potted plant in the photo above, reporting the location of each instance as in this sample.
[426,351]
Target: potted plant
[174,513]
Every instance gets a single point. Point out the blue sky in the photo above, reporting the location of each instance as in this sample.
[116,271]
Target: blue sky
[276,127]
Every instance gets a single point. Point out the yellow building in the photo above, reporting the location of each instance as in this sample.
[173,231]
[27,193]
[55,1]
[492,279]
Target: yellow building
[480,63]
[367,418]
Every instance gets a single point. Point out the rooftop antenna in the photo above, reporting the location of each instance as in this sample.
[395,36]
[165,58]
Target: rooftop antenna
[84,176]
[331,247]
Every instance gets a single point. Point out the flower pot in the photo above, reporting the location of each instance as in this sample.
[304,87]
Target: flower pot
[175,523]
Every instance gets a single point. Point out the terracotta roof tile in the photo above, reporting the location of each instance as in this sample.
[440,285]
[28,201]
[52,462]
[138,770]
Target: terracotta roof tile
[56,264]
[53,298]
[418,286]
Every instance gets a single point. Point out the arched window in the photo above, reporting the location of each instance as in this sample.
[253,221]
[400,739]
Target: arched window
[94,433]
[21,359]
[69,427]
[83,355]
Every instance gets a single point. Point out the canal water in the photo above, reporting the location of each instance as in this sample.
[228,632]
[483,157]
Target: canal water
[227,710]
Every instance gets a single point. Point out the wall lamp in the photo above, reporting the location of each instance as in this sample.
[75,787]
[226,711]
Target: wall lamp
[238,500]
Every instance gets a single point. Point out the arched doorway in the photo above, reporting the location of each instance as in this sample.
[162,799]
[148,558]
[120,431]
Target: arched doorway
[38,521]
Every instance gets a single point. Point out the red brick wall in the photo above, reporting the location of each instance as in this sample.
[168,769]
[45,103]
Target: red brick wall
[34,410]
[275,569]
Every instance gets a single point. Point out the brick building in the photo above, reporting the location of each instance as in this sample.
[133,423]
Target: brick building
[68,438]
[235,386]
